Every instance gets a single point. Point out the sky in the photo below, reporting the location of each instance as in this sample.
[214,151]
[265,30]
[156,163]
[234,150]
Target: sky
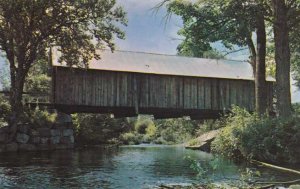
[148,31]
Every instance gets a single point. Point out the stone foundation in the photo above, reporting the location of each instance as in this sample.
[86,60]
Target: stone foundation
[28,138]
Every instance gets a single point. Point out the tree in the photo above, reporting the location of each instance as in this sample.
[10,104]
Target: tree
[260,71]
[76,28]
[231,22]
[286,17]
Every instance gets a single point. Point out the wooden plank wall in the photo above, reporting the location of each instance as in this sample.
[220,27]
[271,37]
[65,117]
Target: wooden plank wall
[116,89]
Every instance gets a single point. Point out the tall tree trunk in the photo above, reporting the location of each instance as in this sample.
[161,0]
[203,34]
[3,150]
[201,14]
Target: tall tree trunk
[18,73]
[282,58]
[261,102]
[16,105]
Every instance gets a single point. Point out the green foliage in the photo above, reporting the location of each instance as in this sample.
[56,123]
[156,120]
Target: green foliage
[38,83]
[270,58]
[205,22]
[142,123]
[166,131]
[145,127]
[76,27]
[39,117]
[99,128]
[209,125]
[228,143]
[296,108]
[207,169]
[77,30]
[200,168]
[4,111]
[275,140]
[3,122]
[4,107]
[131,138]
[175,131]
[193,142]
[246,135]
[38,80]
[151,130]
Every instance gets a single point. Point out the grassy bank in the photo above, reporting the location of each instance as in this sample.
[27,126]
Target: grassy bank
[248,136]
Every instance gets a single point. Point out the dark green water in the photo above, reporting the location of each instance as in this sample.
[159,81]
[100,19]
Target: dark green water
[125,167]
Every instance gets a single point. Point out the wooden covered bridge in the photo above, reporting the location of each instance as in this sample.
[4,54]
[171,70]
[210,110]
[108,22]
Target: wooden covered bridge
[130,83]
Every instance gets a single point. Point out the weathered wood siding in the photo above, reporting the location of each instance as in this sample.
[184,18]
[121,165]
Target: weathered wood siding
[122,89]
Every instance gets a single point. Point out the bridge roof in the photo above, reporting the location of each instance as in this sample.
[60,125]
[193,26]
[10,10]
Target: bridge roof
[149,63]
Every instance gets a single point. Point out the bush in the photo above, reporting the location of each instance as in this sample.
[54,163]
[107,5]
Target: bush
[38,83]
[246,135]
[176,131]
[151,131]
[3,122]
[99,128]
[36,117]
[209,125]
[131,138]
[275,140]
[39,117]
[161,140]
[142,123]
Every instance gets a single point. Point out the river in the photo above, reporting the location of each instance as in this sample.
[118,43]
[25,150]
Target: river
[142,166]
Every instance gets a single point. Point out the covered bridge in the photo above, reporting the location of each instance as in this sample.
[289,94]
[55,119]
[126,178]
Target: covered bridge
[130,83]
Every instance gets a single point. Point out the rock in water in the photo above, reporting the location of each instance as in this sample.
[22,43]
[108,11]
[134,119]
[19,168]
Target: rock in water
[203,142]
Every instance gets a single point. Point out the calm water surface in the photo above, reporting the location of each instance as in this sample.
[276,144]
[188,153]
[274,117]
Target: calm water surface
[125,167]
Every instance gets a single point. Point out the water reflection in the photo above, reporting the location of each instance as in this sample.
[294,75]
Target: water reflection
[125,167]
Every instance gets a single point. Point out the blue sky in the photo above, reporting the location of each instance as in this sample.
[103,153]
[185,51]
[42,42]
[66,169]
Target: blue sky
[147,31]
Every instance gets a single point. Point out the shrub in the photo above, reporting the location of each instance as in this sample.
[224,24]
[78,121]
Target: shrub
[227,143]
[275,140]
[39,83]
[99,128]
[39,117]
[142,123]
[246,135]
[3,122]
[131,138]
[209,125]
[151,131]
[160,140]
[36,117]
[176,131]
